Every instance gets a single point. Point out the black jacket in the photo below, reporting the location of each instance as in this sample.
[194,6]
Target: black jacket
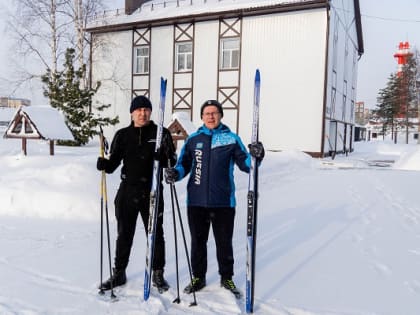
[135,147]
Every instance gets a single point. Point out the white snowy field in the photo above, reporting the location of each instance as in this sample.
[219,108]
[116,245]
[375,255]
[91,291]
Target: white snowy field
[334,237]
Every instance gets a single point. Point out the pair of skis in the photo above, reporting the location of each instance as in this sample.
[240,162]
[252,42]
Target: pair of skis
[251,226]
[251,200]
[154,195]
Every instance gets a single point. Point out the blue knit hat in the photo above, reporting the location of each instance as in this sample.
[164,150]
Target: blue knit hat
[140,101]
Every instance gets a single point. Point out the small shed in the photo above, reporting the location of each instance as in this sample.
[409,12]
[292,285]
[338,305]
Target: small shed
[38,122]
[181,127]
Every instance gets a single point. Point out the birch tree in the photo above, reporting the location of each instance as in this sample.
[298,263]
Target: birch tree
[79,11]
[45,29]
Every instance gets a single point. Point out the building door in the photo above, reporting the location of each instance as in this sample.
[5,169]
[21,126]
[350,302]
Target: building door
[332,138]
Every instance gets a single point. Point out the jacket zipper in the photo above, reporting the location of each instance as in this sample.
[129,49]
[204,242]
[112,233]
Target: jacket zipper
[140,136]
[208,170]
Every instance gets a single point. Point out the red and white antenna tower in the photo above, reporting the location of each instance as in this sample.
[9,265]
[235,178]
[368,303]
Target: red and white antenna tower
[402,56]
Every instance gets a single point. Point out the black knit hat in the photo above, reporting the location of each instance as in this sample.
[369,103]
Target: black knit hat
[140,102]
[211,103]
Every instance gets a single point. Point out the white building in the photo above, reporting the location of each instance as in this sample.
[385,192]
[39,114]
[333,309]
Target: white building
[307,53]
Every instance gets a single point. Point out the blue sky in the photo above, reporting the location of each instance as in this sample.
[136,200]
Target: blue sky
[385,23]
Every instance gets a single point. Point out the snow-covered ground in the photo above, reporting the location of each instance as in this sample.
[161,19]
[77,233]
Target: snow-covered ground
[334,237]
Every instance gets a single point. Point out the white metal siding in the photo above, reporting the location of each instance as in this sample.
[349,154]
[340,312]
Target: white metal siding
[343,25]
[111,64]
[289,50]
[205,71]
[161,66]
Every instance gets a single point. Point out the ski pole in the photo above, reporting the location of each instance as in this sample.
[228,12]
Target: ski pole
[104,202]
[108,237]
[101,291]
[183,237]
[177,299]
[101,154]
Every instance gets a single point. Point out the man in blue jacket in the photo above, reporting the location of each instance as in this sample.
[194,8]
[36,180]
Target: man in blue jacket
[209,155]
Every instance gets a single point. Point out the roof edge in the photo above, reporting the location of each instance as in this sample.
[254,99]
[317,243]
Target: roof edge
[359,31]
[243,12]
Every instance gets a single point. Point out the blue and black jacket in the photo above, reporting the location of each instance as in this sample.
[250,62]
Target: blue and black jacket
[209,155]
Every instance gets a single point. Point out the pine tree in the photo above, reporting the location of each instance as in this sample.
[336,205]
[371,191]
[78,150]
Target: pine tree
[397,102]
[388,105]
[409,93]
[66,93]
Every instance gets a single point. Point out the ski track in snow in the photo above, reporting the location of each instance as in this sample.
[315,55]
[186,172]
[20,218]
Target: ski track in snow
[367,218]
[413,286]
[396,206]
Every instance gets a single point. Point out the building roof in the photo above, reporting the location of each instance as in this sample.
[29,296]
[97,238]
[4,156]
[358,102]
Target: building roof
[166,12]
[161,12]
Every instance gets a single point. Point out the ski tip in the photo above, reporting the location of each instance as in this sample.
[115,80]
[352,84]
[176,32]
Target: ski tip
[146,293]
[257,76]
[163,86]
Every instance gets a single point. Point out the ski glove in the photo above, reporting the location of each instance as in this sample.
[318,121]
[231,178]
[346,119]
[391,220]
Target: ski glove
[256,150]
[171,175]
[101,164]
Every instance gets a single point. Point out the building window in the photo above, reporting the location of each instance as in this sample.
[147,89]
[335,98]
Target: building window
[229,53]
[141,59]
[331,109]
[344,100]
[183,56]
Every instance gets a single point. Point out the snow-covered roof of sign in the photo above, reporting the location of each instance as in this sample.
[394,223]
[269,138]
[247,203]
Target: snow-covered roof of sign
[47,121]
[162,10]
[184,119]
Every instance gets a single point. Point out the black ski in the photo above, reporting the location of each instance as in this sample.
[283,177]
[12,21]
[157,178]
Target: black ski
[154,197]
[252,203]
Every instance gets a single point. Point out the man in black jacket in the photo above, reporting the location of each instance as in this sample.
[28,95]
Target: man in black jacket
[135,147]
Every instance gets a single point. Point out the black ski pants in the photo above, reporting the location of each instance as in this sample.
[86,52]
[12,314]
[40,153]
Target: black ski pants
[129,201]
[222,223]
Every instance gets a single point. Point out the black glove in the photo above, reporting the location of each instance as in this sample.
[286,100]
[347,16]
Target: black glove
[101,164]
[256,150]
[171,175]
